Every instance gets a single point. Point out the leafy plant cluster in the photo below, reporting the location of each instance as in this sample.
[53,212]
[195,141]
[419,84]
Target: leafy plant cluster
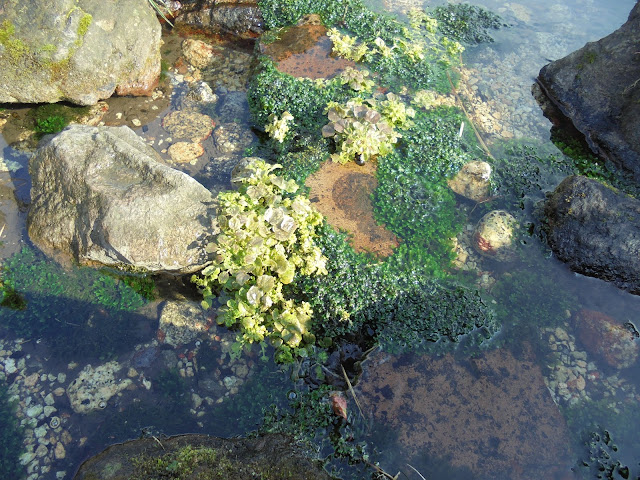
[466,23]
[10,437]
[81,311]
[360,131]
[265,235]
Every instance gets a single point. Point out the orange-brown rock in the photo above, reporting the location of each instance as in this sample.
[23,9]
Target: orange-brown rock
[492,415]
[606,338]
[304,50]
[342,193]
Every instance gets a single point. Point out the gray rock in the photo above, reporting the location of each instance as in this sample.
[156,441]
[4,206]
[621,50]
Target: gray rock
[81,51]
[597,88]
[596,231]
[100,195]
[242,19]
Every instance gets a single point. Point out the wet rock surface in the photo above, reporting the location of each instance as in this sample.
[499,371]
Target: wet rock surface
[596,231]
[235,17]
[491,414]
[304,50]
[494,234]
[101,195]
[343,194]
[607,339]
[182,322]
[81,52]
[597,88]
[472,181]
[271,453]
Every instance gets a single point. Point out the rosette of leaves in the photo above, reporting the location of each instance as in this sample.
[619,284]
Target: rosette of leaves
[356,79]
[359,131]
[265,236]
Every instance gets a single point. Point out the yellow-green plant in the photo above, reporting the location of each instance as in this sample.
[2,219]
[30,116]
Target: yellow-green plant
[356,79]
[277,128]
[362,131]
[265,235]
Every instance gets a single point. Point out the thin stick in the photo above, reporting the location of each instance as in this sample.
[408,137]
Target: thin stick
[353,394]
[160,443]
[381,471]
[482,144]
[2,229]
[416,472]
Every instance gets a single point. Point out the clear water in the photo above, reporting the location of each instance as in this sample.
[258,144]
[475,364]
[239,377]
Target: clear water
[429,413]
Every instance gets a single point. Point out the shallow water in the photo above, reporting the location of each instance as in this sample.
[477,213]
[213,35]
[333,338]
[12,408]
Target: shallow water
[429,413]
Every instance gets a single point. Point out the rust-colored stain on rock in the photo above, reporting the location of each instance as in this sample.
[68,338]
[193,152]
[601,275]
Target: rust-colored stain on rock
[342,193]
[492,414]
[305,51]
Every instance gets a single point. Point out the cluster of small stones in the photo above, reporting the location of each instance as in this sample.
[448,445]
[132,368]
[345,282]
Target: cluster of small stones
[573,378]
[46,434]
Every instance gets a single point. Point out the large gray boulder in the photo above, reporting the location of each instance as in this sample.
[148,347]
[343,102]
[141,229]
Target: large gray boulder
[598,89]
[100,195]
[596,231]
[81,51]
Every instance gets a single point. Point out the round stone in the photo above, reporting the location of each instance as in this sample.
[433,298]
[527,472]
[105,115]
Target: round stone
[191,125]
[493,236]
[185,152]
[472,181]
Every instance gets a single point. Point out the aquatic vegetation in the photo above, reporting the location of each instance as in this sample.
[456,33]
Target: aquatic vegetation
[602,458]
[265,235]
[424,98]
[345,46]
[356,79]
[278,127]
[10,437]
[360,132]
[466,23]
[53,117]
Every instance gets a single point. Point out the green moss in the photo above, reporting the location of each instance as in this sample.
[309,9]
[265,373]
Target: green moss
[84,23]
[10,437]
[53,117]
[467,23]
[14,47]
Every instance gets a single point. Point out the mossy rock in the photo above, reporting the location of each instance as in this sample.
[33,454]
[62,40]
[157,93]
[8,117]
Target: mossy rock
[202,457]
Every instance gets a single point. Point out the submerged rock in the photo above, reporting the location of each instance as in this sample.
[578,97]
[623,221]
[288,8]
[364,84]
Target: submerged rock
[604,337]
[182,322]
[493,236]
[267,456]
[489,414]
[100,195]
[597,88]
[80,51]
[596,230]
[93,388]
[473,181]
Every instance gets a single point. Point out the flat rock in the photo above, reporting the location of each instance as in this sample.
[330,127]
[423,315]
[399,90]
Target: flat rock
[93,387]
[101,195]
[79,51]
[242,458]
[491,414]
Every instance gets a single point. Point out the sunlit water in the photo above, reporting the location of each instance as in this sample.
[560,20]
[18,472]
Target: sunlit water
[410,404]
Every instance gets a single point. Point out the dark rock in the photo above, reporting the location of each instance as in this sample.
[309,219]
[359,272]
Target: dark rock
[596,230]
[236,17]
[235,459]
[84,51]
[101,195]
[604,337]
[598,88]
